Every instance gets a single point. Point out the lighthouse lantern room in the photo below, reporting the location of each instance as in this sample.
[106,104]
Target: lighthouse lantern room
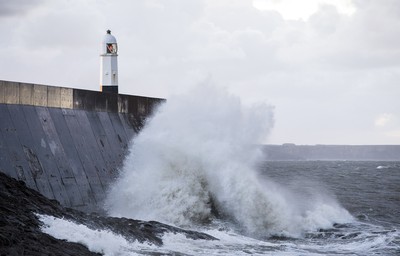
[108,64]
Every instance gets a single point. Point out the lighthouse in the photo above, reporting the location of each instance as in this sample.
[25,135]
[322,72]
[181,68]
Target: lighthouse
[108,64]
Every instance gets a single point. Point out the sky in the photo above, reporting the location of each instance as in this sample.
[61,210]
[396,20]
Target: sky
[330,68]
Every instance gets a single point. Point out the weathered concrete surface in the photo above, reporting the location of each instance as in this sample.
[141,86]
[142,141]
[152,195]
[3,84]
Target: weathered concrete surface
[65,154]
[61,97]
[66,143]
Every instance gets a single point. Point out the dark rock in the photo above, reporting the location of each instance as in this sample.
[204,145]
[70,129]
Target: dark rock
[20,232]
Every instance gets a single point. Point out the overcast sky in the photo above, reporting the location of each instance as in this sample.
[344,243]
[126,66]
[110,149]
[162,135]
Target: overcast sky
[331,68]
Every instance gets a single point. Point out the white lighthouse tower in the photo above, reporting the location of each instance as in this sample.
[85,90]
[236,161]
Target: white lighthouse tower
[109,65]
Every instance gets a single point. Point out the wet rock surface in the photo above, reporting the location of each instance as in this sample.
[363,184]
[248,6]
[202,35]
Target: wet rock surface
[20,232]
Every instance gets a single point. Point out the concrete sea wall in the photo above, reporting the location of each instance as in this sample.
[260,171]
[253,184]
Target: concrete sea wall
[67,143]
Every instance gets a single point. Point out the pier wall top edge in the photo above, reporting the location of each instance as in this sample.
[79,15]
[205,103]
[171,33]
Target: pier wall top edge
[62,97]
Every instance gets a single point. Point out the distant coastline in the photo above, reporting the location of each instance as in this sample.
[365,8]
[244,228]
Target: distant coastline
[289,151]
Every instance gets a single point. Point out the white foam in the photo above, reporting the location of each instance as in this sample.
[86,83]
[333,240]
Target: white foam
[200,146]
[383,167]
[99,241]
[109,243]
[367,243]
[229,243]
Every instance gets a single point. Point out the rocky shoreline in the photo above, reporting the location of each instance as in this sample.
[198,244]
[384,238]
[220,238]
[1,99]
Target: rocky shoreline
[20,232]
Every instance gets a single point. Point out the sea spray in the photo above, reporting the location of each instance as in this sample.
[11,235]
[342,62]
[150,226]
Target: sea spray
[197,156]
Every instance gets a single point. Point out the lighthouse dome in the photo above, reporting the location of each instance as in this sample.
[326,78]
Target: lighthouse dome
[109,39]
[109,44]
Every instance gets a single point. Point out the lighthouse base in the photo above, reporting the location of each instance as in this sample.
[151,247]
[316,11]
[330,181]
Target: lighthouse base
[110,88]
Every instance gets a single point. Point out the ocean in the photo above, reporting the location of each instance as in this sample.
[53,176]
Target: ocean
[368,190]
[195,165]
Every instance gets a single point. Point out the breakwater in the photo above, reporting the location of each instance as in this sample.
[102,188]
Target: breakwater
[67,143]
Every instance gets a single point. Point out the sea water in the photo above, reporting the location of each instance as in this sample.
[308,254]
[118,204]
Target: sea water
[369,193]
[196,164]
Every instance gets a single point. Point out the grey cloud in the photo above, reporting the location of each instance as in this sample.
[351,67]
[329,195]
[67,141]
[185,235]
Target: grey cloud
[326,20]
[17,7]
[340,69]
